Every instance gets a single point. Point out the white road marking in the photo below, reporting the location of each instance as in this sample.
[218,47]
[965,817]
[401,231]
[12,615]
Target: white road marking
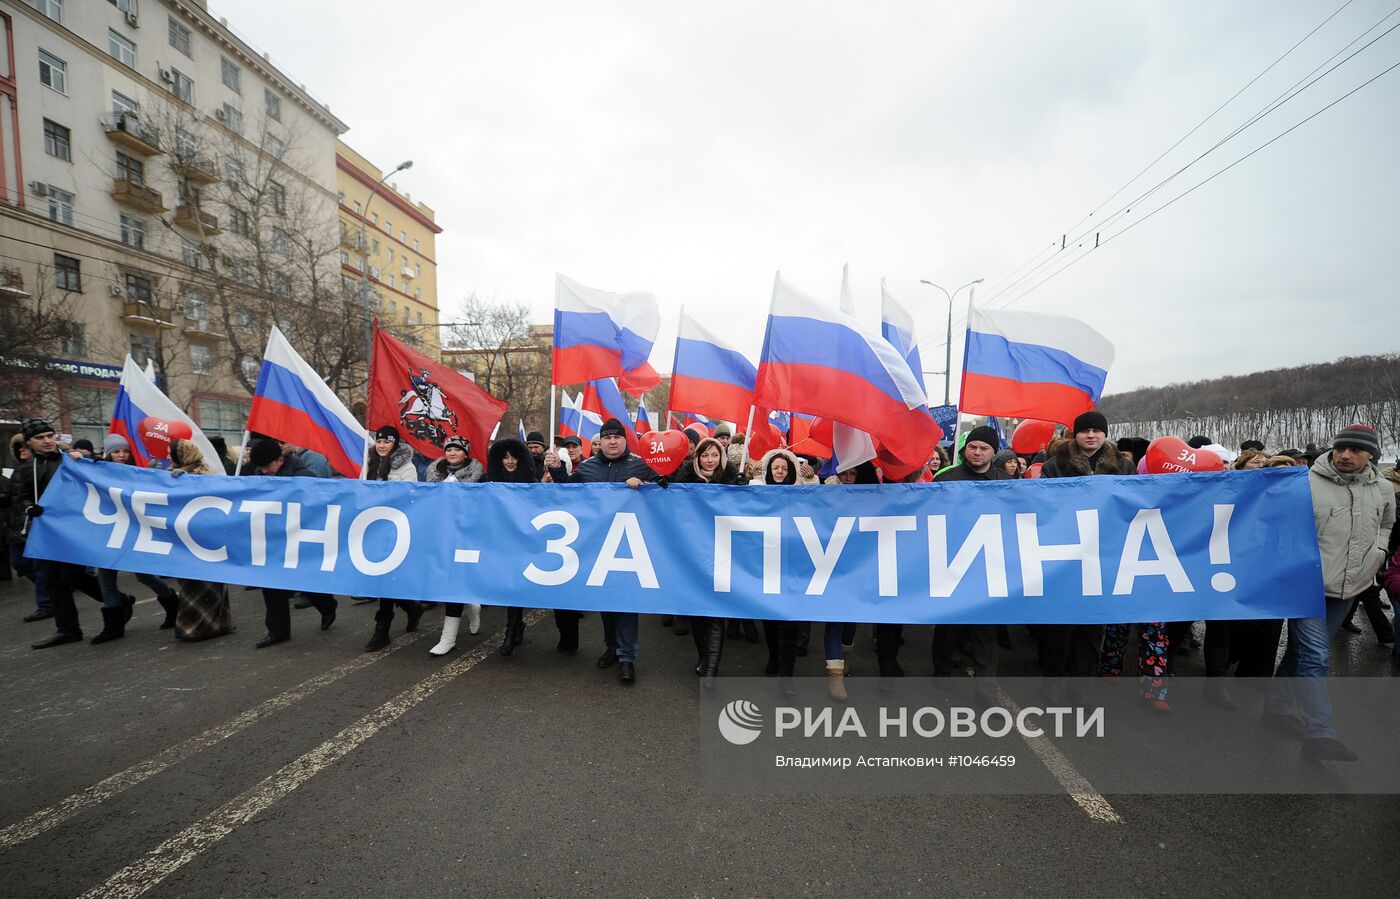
[1075,784]
[174,853]
[31,826]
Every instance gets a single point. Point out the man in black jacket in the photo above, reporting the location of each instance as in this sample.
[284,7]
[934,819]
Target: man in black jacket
[60,578]
[977,453]
[615,464]
[266,458]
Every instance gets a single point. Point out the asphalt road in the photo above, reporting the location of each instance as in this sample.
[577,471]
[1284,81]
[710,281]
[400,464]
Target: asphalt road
[146,766]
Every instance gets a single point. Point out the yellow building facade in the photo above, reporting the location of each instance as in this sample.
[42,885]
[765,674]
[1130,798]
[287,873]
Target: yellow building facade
[393,238]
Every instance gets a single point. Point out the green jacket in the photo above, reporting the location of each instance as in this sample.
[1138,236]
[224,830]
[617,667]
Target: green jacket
[1354,514]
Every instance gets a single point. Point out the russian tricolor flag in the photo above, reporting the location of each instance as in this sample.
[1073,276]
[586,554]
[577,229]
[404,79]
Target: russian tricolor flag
[598,334]
[293,404]
[574,422]
[643,422]
[821,361]
[1032,365]
[897,326]
[138,398]
[708,376]
[603,398]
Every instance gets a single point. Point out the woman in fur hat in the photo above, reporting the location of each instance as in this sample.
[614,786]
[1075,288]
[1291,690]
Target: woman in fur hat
[203,610]
[780,467]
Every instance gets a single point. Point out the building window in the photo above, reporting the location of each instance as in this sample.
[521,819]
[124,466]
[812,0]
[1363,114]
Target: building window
[230,74]
[357,207]
[190,255]
[58,140]
[281,242]
[389,227]
[418,293]
[128,169]
[201,359]
[281,285]
[143,347]
[53,72]
[272,104]
[251,368]
[138,289]
[417,270]
[51,8]
[180,37]
[277,196]
[233,171]
[60,206]
[232,118]
[67,272]
[133,232]
[238,222]
[196,308]
[417,248]
[225,418]
[74,341]
[403,237]
[243,321]
[182,86]
[121,49]
[374,218]
[391,282]
[90,411]
[391,251]
[344,258]
[275,146]
[124,5]
[185,145]
[340,198]
[375,242]
[122,104]
[243,271]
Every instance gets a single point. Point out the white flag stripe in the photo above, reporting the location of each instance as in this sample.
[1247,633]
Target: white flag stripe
[1059,332]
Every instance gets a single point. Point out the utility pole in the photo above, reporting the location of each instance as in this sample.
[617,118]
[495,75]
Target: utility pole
[948,347]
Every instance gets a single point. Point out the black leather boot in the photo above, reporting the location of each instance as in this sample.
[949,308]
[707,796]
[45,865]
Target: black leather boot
[171,606]
[379,639]
[113,625]
[414,611]
[714,648]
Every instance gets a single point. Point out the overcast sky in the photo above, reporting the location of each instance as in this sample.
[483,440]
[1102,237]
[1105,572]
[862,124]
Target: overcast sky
[692,150]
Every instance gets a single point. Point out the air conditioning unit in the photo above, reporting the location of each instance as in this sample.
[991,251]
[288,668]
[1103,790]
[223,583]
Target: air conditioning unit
[131,19]
[166,75]
[115,290]
[38,188]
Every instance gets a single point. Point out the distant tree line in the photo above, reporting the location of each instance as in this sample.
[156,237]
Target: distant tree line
[1284,407]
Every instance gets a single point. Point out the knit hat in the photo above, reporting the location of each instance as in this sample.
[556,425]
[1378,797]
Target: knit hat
[1199,441]
[33,427]
[459,442]
[113,442]
[612,428]
[1362,437]
[1252,445]
[722,430]
[534,437]
[1091,421]
[82,443]
[265,452]
[388,432]
[986,434]
[692,436]
[1003,457]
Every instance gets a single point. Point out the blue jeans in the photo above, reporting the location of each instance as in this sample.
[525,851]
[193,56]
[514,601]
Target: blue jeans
[25,567]
[836,636]
[620,633]
[1301,678]
[112,595]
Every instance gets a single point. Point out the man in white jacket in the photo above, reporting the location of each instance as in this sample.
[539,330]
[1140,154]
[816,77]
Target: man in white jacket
[1354,510]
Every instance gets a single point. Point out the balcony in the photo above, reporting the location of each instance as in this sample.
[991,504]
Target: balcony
[127,131]
[196,168]
[138,196]
[353,239]
[202,327]
[197,220]
[408,272]
[12,284]
[146,314]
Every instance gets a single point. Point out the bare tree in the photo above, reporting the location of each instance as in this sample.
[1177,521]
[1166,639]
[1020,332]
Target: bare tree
[40,323]
[495,343]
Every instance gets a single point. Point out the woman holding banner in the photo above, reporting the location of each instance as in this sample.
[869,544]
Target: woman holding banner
[707,466]
[391,460]
[780,467]
[203,610]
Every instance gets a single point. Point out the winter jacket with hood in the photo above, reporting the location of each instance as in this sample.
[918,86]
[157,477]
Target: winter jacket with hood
[689,472]
[400,466]
[1354,514]
[22,491]
[964,472]
[767,460]
[495,463]
[599,469]
[469,472]
[1069,461]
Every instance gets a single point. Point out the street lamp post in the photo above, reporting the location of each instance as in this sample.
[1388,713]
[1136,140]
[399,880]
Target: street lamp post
[948,347]
[364,254]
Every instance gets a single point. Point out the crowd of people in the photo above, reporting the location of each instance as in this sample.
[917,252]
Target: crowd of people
[1354,502]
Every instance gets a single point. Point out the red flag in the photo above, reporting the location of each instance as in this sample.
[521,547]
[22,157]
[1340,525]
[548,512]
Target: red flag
[427,401]
[639,380]
[763,436]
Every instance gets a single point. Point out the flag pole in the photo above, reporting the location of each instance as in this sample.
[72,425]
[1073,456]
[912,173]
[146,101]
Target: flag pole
[242,451]
[962,380]
[748,433]
[551,414]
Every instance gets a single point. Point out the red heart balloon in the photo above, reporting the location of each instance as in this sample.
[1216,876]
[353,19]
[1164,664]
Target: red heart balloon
[158,434]
[1031,436]
[1034,470]
[1171,455]
[664,451]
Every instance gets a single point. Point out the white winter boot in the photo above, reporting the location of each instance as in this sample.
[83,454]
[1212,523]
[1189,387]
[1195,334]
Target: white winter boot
[449,637]
[473,618]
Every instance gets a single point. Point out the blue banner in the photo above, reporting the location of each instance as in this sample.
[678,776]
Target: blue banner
[946,417]
[1094,550]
